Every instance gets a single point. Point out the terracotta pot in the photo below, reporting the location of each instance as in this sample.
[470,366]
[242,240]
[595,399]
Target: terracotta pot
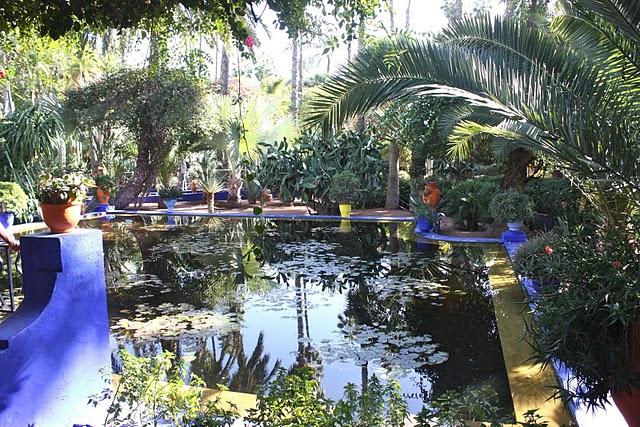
[431,195]
[61,218]
[628,401]
[102,196]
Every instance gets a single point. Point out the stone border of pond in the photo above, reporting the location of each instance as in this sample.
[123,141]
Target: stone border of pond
[267,215]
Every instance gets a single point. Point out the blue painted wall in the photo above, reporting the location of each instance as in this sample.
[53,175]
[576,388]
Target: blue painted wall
[53,347]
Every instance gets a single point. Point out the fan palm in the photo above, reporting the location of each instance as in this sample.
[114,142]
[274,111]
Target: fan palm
[208,179]
[569,91]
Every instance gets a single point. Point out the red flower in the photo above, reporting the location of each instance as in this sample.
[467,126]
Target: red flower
[548,250]
[249,41]
[617,264]
[3,74]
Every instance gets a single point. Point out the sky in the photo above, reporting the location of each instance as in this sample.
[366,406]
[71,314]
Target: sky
[426,16]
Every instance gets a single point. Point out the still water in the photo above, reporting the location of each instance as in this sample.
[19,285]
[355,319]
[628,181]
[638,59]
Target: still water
[238,299]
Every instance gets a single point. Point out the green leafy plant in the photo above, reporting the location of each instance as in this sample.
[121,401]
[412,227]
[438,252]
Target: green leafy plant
[537,260]
[420,210]
[104,182]
[67,188]
[344,188]
[151,391]
[13,198]
[511,206]
[294,399]
[586,320]
[468,201]
[169,193]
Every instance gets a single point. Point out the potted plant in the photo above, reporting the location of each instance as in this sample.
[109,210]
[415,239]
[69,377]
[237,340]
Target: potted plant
[536,262]
[591,321]
[13,201]
[426,218]
[169,196]
[512,207]
[343,190]
[104,187]
[61,199]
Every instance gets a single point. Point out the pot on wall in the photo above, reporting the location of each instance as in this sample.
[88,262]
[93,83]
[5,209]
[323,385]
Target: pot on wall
[6,219]
[345,210]
[514,225]
[102,196]
[628,401]
[61,218]
[170,203]
[423,225]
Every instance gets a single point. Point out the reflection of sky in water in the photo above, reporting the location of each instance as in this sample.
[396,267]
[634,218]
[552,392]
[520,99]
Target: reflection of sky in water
[383,316]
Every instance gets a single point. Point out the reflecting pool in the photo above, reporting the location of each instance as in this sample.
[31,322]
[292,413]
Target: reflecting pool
[238,299]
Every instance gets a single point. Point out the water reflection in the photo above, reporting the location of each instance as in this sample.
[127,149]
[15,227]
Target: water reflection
[237,304]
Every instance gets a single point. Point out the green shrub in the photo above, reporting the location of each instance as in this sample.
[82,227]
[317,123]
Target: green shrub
[295,400]
[585,322]
[511,205]
[13,198]
[467,201]
[104,182]
[537,260]
[344,188]
[169,193]
[555,197]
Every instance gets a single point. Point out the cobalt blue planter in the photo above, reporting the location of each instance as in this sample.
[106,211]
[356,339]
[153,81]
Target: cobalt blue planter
[424,226]
[221,195]
[6,219]
[101,208]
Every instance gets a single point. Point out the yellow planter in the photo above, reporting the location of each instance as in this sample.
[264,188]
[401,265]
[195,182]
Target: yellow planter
[345,226]
[345,210]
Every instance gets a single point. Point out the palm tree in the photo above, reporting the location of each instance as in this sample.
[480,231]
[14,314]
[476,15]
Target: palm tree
[208,179]
[568,90]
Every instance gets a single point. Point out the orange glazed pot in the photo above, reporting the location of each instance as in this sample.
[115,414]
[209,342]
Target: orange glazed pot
[102,196]
[61,218]
[628,401]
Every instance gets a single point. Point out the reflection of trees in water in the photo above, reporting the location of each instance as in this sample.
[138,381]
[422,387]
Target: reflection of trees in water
[463,324]
[223,361]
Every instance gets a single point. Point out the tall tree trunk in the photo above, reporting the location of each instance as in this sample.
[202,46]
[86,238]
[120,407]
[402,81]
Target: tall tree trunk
[393,181]
[224,70]
[360,121]
[210,202]
[407,16]
[7,100]
[158,48]
[294,79]
[392,16]
[515,175]
[144,174]
[300,74]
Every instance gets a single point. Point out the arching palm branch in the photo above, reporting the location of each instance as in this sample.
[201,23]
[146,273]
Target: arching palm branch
[546,86]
